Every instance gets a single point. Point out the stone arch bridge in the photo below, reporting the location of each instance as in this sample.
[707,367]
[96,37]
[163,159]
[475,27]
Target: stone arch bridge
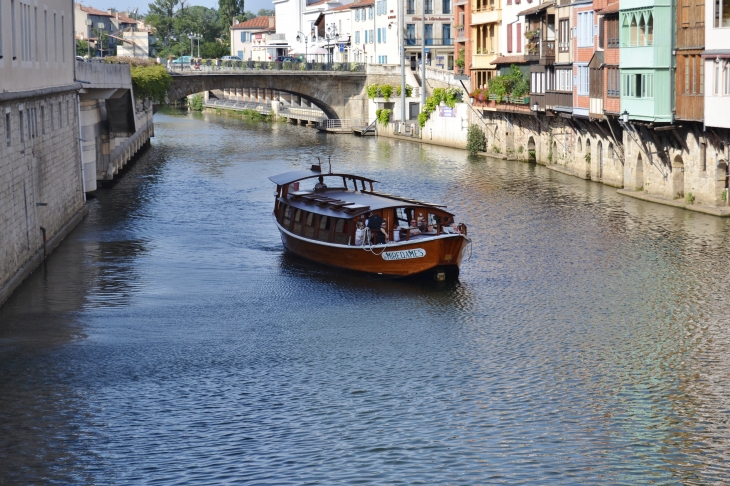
[339,94]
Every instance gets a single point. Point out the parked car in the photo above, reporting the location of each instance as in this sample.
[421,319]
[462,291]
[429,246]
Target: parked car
[287,59]
[183,60]
[231,58]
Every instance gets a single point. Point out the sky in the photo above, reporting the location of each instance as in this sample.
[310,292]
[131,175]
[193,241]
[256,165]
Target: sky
[124,5]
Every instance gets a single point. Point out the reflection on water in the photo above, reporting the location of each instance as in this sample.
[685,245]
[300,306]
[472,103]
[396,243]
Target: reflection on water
[170,338]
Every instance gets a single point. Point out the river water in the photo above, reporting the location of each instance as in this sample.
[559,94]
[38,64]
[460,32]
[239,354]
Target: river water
[170,339]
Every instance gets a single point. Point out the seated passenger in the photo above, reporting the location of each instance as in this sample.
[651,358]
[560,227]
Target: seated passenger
[413,228]
[320,186]
[381,237]
[359,233]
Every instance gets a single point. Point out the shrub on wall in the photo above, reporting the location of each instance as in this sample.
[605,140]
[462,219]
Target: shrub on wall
[476,141]
[450,96]
[151,82]
[196,103]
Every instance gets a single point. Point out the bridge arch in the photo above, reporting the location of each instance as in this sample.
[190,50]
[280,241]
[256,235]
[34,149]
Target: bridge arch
[338,95]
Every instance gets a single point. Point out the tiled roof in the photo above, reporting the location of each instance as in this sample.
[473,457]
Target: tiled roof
[536,8]
[611,8]
[93,11]
[364,3]
[510,60]
[256,23]
[126,20]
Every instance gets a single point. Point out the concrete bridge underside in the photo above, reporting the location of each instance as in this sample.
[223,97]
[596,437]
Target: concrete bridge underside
[338,95]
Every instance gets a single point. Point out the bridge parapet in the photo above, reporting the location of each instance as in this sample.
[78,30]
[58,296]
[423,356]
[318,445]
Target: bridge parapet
[268,67]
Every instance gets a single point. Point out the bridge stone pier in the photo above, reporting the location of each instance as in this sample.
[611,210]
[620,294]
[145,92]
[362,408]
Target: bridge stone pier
[341,95]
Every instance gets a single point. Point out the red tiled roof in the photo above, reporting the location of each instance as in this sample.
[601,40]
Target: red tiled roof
[611,8]
[93,11]
[510,60]
[536,8]
[364,3]
[256,23]
[126,20]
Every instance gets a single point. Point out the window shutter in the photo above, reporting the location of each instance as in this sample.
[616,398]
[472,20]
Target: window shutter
[600,35]
[509,37]
[685,13]
[518,35]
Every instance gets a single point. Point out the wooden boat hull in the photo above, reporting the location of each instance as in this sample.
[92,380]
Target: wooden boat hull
[438,254]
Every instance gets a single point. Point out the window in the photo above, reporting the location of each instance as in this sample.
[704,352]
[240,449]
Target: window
[411,7]
[367,37]
[564,80]
[324,228]
[22,127]
[370,13]
[583,80]
[612,81]
[585,29]
[694,74]
[612,32]
[428,5]
[372,37]
[8,131]
[63,40]
[564,35]
[411,34]
[68,113]
[722,13]
[638,85]
[429,34]
[50,114]
[357,15]
[446,34]
[60,115]
[596,83]
[446,6]
[357,37]
[537,82]
[509,37]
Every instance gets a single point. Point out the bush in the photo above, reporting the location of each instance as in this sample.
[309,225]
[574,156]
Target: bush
[450,96]
[196,103]
[150,83]
[689,198]
[386,90]
[476,141]
[409,91]
[383,116]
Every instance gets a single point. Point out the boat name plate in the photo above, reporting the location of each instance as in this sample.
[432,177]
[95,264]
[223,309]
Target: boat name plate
[404,254]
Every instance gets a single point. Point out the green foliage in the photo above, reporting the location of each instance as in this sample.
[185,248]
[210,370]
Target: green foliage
[495,149]
[461,60]
[588,158]
[423,118]
[229,9]
[150,82]
[196,103]
[386,91]
[550,156]
[476,141]
[521,149]
[724,195]
[450,96]
[409,91]
[383,116]
[511,84]
[531,155]
[689,198]
[132,61]
[264,12]
[372,91]
[82,47]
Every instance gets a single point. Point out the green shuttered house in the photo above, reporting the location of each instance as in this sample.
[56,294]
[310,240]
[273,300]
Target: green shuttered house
[646,59]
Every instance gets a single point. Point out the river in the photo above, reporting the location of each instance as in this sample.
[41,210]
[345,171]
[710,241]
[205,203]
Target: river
[170,339]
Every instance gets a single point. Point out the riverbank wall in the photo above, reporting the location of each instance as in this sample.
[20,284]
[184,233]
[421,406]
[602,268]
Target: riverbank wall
[41,179]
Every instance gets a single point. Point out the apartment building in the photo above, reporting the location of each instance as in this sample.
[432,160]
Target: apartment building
[716,58]
[428,24]
[96,26]
[252,40]
[540,37]
[690,68]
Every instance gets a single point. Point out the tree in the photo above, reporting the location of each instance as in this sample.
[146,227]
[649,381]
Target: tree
[265,12]
[227,10]
[161,17]
[82,48]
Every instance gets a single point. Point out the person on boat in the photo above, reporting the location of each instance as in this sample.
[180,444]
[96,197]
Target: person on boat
[381,237]
[413,228]
[359,233]
[320,186]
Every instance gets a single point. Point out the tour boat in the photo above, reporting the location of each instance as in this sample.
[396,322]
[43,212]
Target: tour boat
[321,224]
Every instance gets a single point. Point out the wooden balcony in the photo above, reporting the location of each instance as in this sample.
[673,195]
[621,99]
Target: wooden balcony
[559,99]
[540,99]
[507,105]
[690,107]
[542,51]
[486,15]
[595,108]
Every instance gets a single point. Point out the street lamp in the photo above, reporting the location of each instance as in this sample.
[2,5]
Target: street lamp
[535,107]
[625,116]
[197,37]
[306,39]
[100,26]
[88,41]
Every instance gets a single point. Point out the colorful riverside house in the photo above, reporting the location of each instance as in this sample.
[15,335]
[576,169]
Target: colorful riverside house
[646,59]
[690,71]
[486,16]
[559,92]
[717,93]
[540,36]
[609,41]
[462,44]
[584,48]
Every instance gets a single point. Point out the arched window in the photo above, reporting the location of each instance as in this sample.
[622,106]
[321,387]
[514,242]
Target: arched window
[580,145]
[588,144]
[642,32]
[634,32]
[625,31]
[650,31]
[611,153]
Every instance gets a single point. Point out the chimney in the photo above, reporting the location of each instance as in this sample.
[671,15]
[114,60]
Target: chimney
[235,20]
[271,22]
[109,11]
[117,15]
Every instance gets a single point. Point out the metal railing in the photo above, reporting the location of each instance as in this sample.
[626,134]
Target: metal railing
[302,113]
[342,123]
[266,66]
[417,41]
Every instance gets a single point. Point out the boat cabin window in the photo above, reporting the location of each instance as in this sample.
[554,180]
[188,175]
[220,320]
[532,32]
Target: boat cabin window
[287,217]
[309,228]
[298,222]
[324,228]
[401,216]
[341,230]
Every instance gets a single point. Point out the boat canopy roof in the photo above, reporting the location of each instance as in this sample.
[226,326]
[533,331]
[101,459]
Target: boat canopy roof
[346,203]
[298,175]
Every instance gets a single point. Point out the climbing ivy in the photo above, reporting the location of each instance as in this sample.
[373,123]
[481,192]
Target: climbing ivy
[450,96]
